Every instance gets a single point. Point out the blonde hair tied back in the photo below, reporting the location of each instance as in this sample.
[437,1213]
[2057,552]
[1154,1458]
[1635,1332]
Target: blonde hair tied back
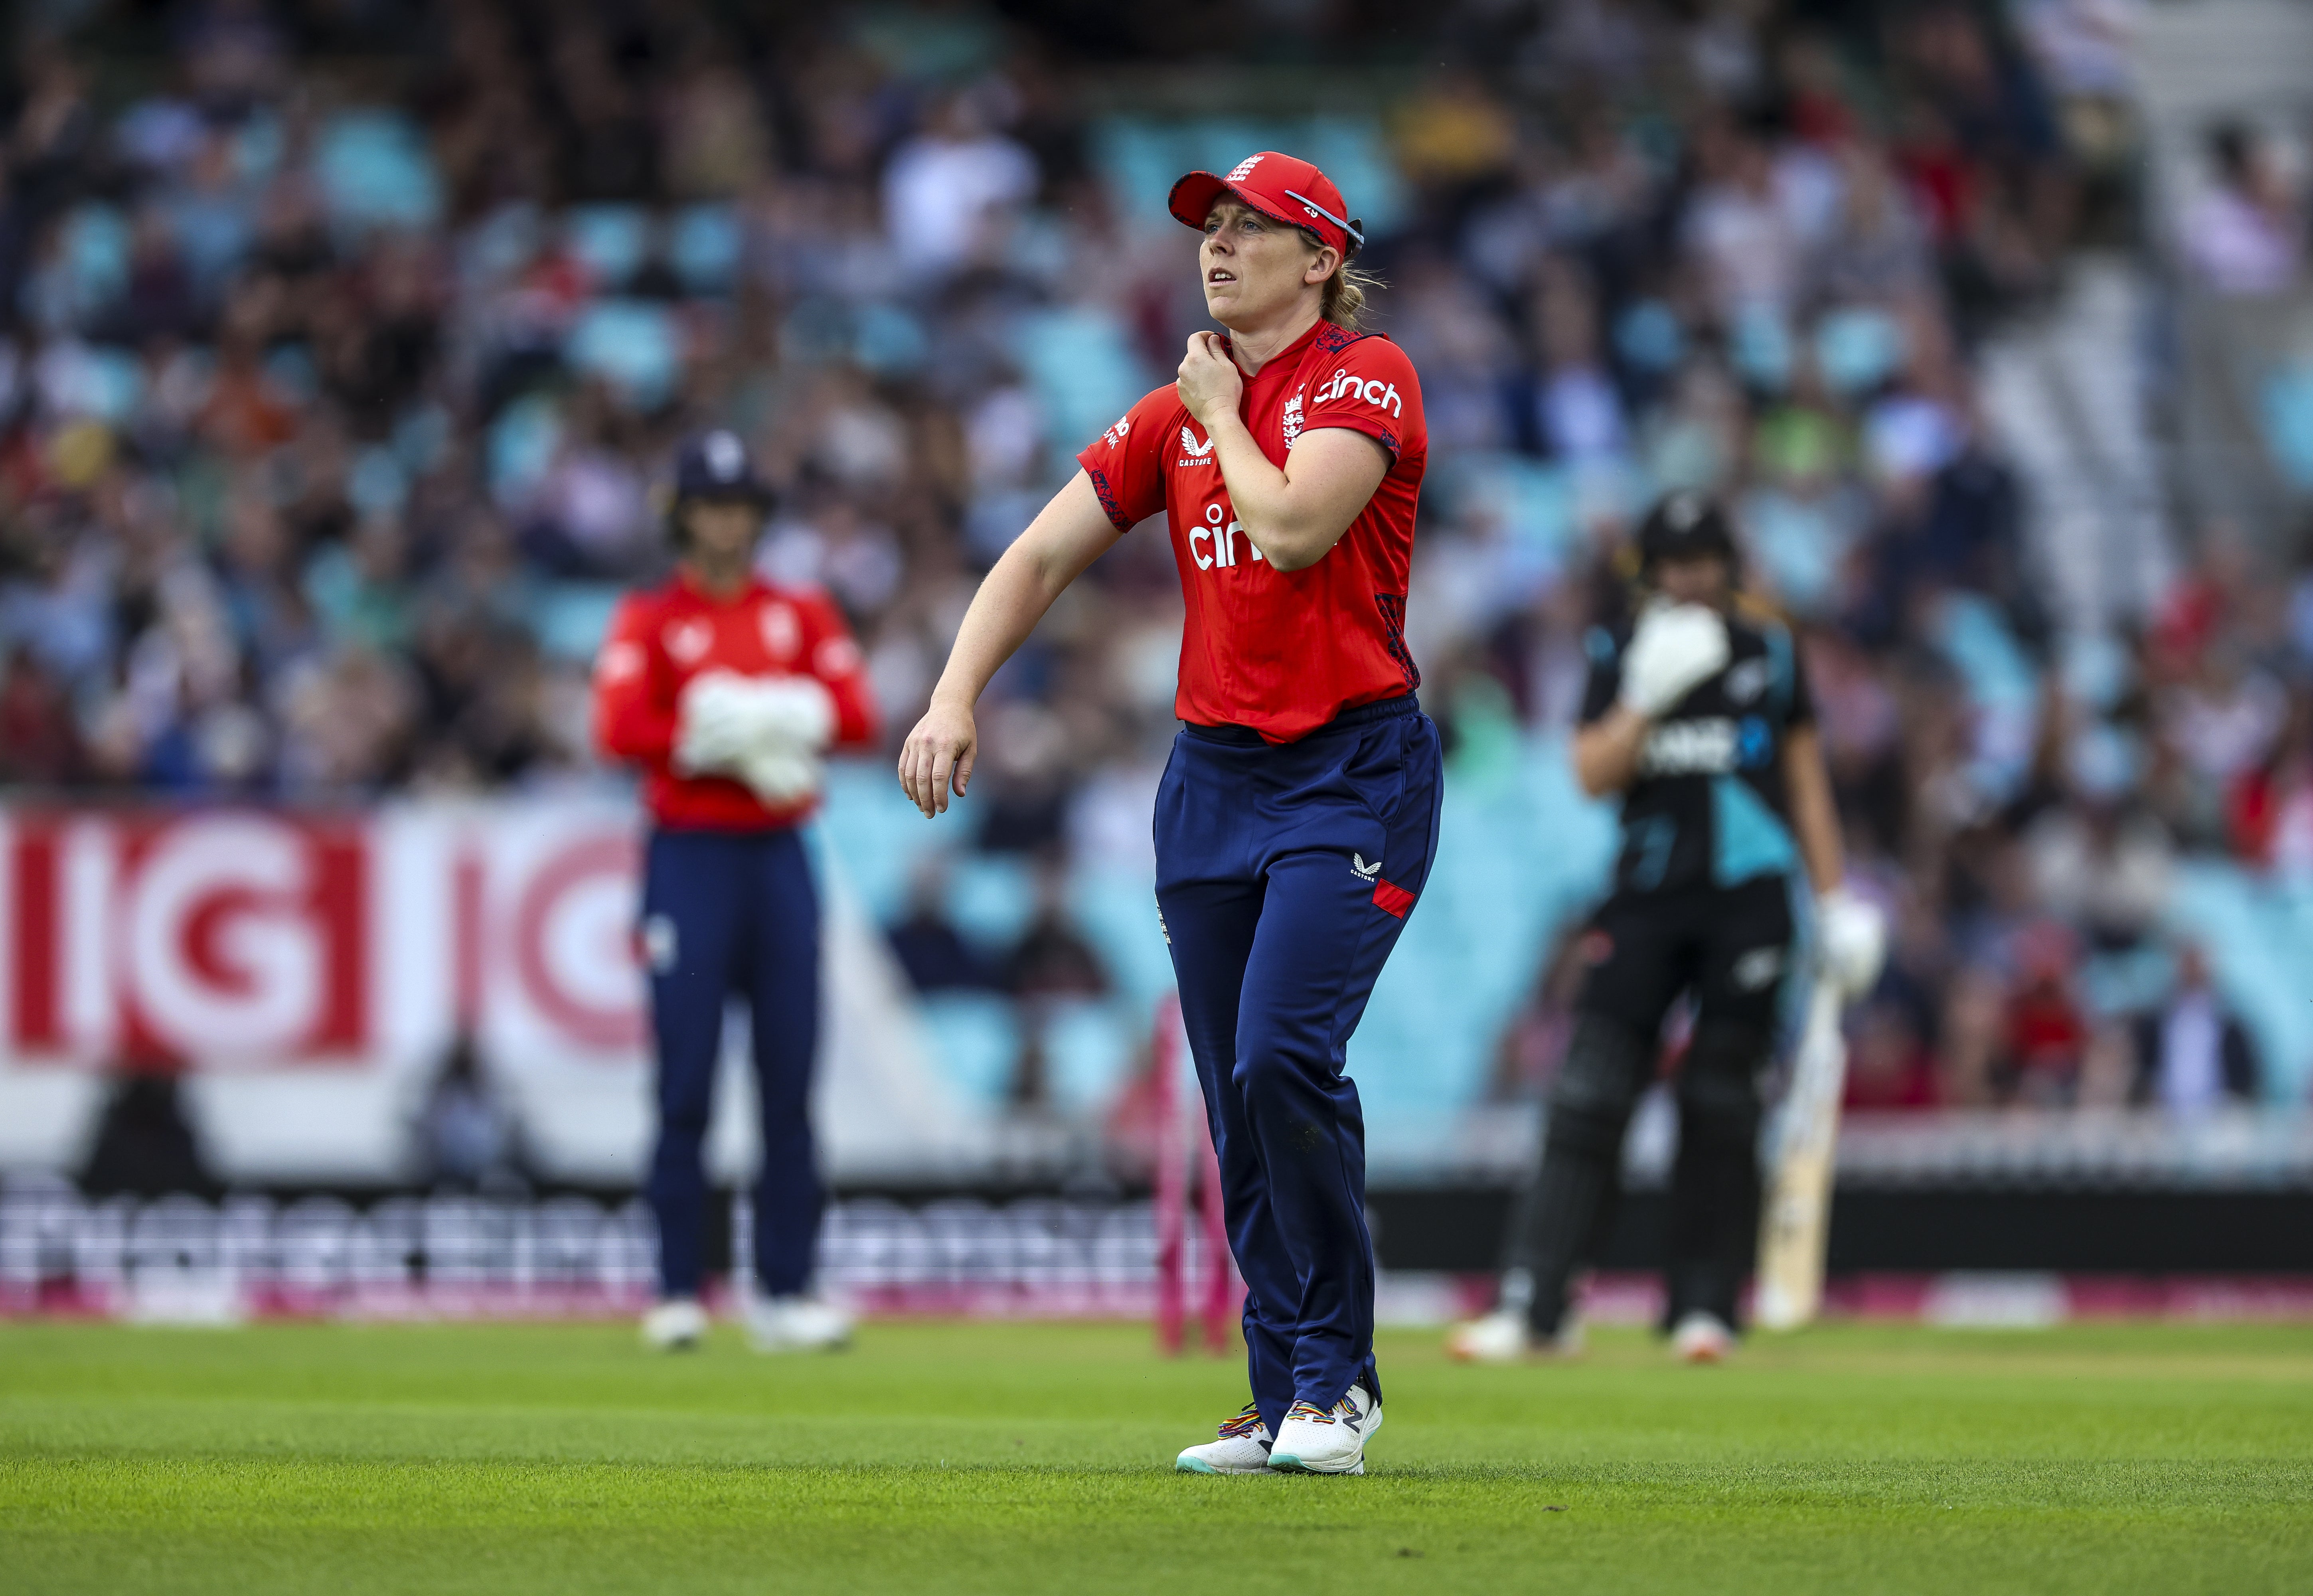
[1344,301]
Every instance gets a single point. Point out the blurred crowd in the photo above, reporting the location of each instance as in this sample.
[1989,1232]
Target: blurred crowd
[342,350]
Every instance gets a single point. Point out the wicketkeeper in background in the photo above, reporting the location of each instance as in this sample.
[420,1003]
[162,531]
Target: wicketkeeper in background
[1698,715]
[726,690]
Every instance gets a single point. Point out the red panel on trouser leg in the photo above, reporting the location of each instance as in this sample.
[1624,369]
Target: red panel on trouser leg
[1391,899]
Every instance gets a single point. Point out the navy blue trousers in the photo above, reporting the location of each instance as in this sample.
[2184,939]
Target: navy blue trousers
[1283,875]
[726,913]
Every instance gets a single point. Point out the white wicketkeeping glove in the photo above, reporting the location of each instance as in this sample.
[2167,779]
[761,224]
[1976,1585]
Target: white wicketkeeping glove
[1851,940]
[1675,649]
[727,722]
[782,776]
[710,723]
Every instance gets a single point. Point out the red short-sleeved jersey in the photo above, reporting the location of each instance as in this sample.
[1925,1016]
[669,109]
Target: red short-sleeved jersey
[659,640]
[1281,652]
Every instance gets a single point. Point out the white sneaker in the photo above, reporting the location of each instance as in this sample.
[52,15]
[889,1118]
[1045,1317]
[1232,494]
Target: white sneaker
[796,1325]
[1327,1440]
[1702,1338]
[1242,1448]
[675,1326]
[1503,1336]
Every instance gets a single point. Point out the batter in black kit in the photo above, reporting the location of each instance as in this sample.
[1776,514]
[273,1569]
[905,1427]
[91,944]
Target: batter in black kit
[1697,713]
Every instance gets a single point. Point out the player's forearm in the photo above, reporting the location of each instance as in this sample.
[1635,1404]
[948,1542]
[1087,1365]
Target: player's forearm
[1003,612]
[1819,846]
[1814,817]
[1291,530]
[1606,751]
[1068,535]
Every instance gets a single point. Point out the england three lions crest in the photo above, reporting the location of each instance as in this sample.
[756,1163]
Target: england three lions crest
[1292,419]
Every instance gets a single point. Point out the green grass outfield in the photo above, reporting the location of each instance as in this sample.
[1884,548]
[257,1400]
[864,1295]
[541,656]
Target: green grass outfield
[1033,1458]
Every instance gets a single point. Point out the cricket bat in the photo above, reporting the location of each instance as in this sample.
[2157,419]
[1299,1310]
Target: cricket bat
[1795,1220]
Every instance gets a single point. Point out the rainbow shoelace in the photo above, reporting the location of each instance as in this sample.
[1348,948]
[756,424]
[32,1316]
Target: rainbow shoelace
[1244,1423]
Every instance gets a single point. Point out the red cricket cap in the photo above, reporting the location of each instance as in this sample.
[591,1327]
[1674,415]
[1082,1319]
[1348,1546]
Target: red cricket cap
[1280,187]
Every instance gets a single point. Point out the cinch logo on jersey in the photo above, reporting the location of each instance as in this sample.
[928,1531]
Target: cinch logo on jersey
[1198,453]
[1223,538]
[1374,392]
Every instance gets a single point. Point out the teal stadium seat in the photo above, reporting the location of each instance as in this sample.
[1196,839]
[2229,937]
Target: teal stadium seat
[372,169]
[570,619]
[94,249]
[2259,937]
[704,246]
[632,344]
[2287,403]
[610,241]
[976,1038]
[1089,1048]
[1079,358]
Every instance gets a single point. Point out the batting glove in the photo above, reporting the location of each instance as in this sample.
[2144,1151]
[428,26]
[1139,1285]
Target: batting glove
[1852,940]
[1675,649]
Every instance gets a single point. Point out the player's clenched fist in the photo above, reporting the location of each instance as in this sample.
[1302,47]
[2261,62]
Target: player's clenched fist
[1209,383]
[938,757]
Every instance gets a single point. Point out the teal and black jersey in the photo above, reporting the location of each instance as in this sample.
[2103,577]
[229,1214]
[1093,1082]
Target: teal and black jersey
[1708,807]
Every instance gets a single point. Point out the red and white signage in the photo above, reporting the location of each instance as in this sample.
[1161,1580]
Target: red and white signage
[245,938]
[220,936]
[309,971]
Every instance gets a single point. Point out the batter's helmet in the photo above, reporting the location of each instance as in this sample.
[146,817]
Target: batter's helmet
[1685,526]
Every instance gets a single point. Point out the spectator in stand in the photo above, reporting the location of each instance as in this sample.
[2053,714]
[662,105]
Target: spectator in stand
[2270,810]
[40,747]
[1890,1066]
[2193,1053]
[1052,958]
[934,953]
[466,1136]
[2245,235]
[2103,863]
[1052,964]
[2047,1036]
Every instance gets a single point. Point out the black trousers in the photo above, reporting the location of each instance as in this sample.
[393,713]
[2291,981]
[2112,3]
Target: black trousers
[1729,948]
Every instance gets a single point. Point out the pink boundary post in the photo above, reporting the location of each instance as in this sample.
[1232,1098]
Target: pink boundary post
[1165,1045]
[1224,1290]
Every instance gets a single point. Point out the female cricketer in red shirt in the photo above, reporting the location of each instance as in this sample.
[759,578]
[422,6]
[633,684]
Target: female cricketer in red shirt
[726,690]
[1296,820]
